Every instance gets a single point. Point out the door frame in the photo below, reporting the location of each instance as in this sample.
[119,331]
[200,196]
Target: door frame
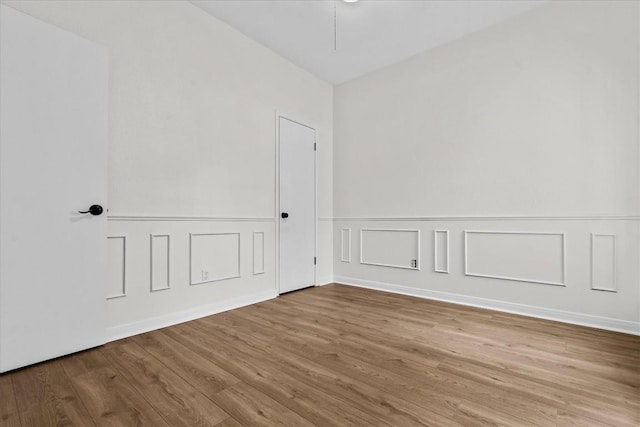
[278,115]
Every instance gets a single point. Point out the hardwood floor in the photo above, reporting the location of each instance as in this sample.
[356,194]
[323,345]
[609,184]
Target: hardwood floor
[340,356]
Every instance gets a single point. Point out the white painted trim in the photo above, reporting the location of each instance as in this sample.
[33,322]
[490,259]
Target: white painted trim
[497,218]
[325,281]
[615,263]
[124,267]
[276,192]
[518,279]
[573,318]
[217,279]
[435,251]
[391,265]
[151,237]
[186,218]
[316,148]
[344,258]
[417,218]
[255,273]
[153,323]
[292,118]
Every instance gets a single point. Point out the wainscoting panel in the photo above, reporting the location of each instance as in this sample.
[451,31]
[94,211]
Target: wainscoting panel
[214,257]
[160,262]
[603,262]
[117,254]
[397,248]
[441,251]
[345,245]
[524,256]
[161,270]
[258,252]
[506,263]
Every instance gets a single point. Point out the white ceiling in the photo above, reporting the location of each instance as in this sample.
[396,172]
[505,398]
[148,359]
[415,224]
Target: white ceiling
[370,33]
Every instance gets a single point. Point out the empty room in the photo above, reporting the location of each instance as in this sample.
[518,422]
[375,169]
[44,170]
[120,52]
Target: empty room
[320,213]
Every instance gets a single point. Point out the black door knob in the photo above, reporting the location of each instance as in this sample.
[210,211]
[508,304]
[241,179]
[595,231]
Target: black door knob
[93,210]
[284,215]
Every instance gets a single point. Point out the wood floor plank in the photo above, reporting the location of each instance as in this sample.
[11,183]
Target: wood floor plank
[397,407]
[412,374]
[198,371]
[253,408]
[46,397]
[178,402]
[404,376]
[341,356]
[291,389]
[106,393]
[229,422]
[9,414]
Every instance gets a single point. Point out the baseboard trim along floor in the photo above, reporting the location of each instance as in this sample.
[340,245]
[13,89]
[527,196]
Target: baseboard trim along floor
[606,323]
[146,325]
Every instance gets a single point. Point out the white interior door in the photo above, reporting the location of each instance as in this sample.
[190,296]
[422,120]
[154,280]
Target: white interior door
[297,205]
[53,163]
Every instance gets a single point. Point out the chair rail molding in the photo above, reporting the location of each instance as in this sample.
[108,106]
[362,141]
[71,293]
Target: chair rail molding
[497,218]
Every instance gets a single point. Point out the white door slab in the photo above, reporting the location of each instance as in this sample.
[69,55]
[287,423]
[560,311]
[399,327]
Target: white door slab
[53,163]
[298,203]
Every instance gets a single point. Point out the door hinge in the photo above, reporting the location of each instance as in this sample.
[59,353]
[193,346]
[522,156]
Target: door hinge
[315,146]
[314,260]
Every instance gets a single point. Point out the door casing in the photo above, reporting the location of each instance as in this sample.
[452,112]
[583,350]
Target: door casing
[301,122]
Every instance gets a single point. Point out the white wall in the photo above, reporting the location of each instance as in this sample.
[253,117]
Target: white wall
[535,117]
[192,123]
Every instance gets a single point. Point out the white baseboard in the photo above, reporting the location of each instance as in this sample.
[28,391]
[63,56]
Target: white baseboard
[507,307]
[325,281]
[153,323]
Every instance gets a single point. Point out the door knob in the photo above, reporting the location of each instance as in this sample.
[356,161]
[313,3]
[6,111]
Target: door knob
[284,215]
[93,210]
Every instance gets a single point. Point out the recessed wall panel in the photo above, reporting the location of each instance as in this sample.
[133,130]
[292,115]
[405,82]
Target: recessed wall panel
[441,251]
[258,252]
[603,262]
[214,257]
[160,262]
[536,257]
[345,245]
[116,250]
[399,248]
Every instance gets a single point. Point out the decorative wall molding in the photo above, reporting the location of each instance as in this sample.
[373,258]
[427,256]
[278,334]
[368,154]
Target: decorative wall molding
[594,261]
[411,218]
[498,218]
[503,306]
[123,273]
[415,265]
[215,279]
[345,237]
[436,250]
[146,325]
[562,282]
[258,252]
[187,218]
[167,285]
